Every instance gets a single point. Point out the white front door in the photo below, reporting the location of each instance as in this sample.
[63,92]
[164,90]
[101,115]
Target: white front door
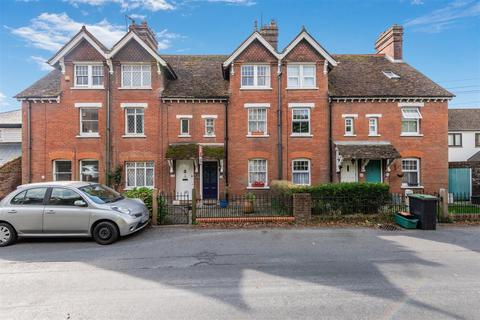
[349,171]
[184,179]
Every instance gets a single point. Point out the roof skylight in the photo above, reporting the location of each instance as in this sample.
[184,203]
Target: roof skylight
[391,75]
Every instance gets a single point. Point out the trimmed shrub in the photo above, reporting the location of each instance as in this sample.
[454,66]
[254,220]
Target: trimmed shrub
[145,194]
[340,198]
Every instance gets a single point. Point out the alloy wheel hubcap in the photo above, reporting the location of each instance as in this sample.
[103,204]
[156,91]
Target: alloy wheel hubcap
[104,233]
[4,234]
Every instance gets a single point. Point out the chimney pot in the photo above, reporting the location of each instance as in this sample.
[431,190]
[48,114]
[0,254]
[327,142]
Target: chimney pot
[390,42]
[270,33]
[147,35]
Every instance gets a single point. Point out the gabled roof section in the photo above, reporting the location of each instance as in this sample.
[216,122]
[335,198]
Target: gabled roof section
[304,35]
[254,36]
[70,45]
[132,35]
[46,87]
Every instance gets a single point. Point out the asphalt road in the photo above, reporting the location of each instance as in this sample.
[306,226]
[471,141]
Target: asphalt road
[185,273]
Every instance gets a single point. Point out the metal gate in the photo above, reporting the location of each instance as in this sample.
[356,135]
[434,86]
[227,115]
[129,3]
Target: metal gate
[460,182]
[174,209]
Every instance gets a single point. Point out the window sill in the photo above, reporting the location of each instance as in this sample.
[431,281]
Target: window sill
[88,136]
[411,135]
[374,135]
[302,88]
[209,136]
[184,136]
[134,136]
[255,88]
[258,136]
[258,188]
[349,135]
[134,88]
[87,88]
[301,135]
[406,187]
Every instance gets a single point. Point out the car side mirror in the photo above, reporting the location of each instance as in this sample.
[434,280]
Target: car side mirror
[80,203]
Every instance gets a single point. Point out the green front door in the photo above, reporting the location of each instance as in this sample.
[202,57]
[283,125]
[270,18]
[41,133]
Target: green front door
[373,171]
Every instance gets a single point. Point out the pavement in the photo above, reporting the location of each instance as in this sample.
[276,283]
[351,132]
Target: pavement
[193,273]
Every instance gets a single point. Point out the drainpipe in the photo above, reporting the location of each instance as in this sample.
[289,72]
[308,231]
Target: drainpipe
[107,131]
[330,142]
[279,121]
[29,135]
[225,164]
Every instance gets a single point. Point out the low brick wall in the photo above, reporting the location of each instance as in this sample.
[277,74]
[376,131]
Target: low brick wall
[475,165]
[302,207]
[10,176]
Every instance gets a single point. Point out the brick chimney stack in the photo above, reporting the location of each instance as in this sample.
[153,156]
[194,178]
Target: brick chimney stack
[270,33]
[144,32]
[390,42]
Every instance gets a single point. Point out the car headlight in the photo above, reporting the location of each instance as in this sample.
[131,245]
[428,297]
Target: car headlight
[120,209]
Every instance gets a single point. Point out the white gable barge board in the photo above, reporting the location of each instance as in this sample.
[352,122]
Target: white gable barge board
[254,36]
[305,36]
[73,43]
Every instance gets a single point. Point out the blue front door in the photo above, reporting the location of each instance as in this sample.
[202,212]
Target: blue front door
[459,183]
[373,171]
[210,180]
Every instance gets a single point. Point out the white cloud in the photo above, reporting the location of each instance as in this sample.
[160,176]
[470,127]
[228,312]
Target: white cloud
[3,100]
[416,2]
[165,38]
[50,31]
[137,16]
[150,5]
[445,18]
[41,62]
[234,2]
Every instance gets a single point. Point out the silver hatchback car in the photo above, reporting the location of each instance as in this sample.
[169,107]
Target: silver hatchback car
[69,208]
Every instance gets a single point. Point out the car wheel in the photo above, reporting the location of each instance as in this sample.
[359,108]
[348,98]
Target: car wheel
[105,233]
[8,235]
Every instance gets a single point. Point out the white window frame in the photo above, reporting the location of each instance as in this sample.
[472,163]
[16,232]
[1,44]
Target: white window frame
[411,114]
[55,169]
[301,77]
[453,135]
[255,77]
[266,173]
[417,160]
[309,171]
[142,85]
[89,84]
[81,166]
[139,165]
[206,120]
[300,134]
[256,106]
[136,108]
[352,125]
[89,134]
[182,133]
[373,122]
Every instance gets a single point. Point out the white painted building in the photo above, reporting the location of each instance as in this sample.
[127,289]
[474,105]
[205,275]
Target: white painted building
[463,134]
[10,135]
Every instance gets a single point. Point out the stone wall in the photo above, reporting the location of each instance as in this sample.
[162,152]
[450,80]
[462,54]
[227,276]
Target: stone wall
[10,176]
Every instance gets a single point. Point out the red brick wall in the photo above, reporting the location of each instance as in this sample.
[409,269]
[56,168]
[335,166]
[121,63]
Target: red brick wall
[11,176]
[431,148]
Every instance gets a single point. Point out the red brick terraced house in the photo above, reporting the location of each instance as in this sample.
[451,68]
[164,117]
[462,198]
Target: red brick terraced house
[178,122]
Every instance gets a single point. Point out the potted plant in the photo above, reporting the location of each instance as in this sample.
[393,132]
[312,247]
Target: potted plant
[248,203]
[224,201]
[258,184]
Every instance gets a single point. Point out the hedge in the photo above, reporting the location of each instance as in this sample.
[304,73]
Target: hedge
[342,198]
[146,195]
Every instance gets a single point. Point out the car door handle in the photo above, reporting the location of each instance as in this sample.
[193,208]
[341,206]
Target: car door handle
[12,211]
[49,211]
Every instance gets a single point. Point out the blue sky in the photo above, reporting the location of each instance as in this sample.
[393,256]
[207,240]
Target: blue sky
[442,38]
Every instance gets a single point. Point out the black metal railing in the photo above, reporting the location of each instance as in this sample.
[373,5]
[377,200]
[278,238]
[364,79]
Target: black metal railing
[463,203]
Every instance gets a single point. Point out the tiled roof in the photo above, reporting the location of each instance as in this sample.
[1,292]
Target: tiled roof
[366,150]
[464,119]
[46,87]
[362,76]
[475,157]
[11,117]
[199,76]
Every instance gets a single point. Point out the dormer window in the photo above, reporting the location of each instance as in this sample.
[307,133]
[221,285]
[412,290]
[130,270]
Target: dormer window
[256,76]
[391,75]
[88,76]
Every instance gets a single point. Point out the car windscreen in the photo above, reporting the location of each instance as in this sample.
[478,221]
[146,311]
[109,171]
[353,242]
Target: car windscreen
[101,194]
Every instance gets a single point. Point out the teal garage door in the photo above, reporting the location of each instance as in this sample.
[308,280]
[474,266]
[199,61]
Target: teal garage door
[374,171]
[459,183]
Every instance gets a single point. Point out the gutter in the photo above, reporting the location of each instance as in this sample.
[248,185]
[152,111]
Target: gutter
[29,134]
[279,122]
[107,131]
[225,165]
